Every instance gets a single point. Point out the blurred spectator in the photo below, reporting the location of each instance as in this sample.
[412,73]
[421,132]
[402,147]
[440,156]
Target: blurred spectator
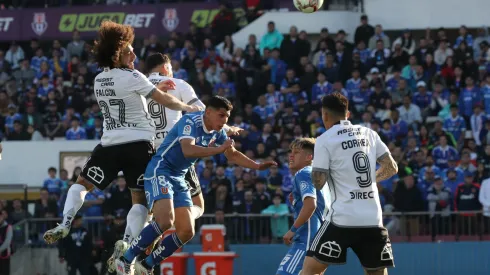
[364,31]
[52,184]
[272,39]
[440,199]
[279,220]
[18,212]
[6,237]
[45,207]
[119,196]
[76,248]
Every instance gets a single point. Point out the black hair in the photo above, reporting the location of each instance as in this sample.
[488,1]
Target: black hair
[155,60]
[336,103]
[218,102]
[52,169]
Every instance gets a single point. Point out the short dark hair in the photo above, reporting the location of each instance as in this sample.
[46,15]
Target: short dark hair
[52,169]
[155,60]
[218,102]
[336,103]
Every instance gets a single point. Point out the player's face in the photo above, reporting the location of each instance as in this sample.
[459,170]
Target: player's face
[218,118]
[128,57]
[299,158]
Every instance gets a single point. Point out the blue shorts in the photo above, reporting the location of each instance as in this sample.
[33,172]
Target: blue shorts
[292,263]
[167,187]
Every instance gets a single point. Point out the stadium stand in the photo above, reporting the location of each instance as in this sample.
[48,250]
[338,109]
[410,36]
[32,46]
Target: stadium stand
[427,94]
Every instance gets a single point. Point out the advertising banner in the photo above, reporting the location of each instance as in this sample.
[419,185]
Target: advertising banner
[59,23]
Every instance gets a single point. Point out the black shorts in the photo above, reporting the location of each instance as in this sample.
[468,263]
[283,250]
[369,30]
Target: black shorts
[371,245]
[106,162]
[193,182]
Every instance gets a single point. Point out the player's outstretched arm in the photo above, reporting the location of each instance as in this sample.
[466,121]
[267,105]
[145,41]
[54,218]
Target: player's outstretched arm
[319,177]
[240,159]
[169,100]
[388,167]
[191,150]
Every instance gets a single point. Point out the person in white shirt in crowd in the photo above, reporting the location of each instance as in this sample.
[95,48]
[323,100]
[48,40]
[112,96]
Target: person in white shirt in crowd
[410,112]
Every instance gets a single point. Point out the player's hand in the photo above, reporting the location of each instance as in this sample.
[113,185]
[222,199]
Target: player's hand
[192,108]
[288,237]
[234,131]
[265,165]
[166,85]
[227,145]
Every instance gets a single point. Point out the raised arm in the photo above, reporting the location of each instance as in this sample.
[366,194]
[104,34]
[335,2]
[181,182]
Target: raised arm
[191,150]
[240,159]
[169,100]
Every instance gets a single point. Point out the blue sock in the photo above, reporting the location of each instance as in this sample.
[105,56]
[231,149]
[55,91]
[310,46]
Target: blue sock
[166,248]
[146,237]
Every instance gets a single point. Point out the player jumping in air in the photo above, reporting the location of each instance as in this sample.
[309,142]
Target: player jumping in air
[196,135]
[345,157]
[127,141]
[309,206]
[160,70]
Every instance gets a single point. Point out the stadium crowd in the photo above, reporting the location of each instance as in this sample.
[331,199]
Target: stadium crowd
[427,97]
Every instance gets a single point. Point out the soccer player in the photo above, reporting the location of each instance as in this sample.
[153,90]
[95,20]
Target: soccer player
[345,156]
[127,141]
[196,135]
[309,206]
[160,69]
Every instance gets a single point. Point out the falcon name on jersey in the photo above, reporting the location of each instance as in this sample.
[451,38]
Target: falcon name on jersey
[164,118]
[121,94]
[303,188]
[349,152]
[170,159]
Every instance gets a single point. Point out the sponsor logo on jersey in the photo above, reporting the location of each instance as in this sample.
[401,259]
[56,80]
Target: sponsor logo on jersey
[95,174]
[170,20]
[39,24]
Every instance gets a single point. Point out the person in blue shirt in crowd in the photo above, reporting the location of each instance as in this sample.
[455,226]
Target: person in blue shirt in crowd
[455,124]
[468,97]
[309,206]
[76,132]
[443,153]
[485,93]
[320,89]
[196,135]
[52,183]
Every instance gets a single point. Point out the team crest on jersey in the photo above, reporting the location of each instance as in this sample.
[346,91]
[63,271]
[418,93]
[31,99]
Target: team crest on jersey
[170,20]
[136,75]
[187,130]
[39,24]
[303,185]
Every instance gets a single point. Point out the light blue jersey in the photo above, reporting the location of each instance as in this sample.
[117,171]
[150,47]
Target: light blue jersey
[303,188]
[164,176]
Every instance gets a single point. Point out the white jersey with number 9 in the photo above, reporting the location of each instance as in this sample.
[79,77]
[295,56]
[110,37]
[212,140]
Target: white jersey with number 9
[165,118]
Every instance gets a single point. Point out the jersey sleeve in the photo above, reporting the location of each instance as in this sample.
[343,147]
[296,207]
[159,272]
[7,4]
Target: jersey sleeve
[221,138]
[321,157]
[381,147]
[189,96]
[140,84]
[304,185]
[186,129]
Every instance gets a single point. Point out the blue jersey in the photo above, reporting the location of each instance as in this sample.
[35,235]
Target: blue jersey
[486,99]
[302,188]
[169,159]
[456,126]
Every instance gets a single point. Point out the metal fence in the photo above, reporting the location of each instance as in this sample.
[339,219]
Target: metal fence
[258,228]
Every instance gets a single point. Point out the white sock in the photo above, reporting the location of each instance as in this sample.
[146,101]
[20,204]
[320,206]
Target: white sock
[74,200]
[136,220]
[196,212]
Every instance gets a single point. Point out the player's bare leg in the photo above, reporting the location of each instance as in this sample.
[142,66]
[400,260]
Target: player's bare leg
[313,267]
[382,271]
[74,201]
[197,209]
[184,232]
[137,219]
